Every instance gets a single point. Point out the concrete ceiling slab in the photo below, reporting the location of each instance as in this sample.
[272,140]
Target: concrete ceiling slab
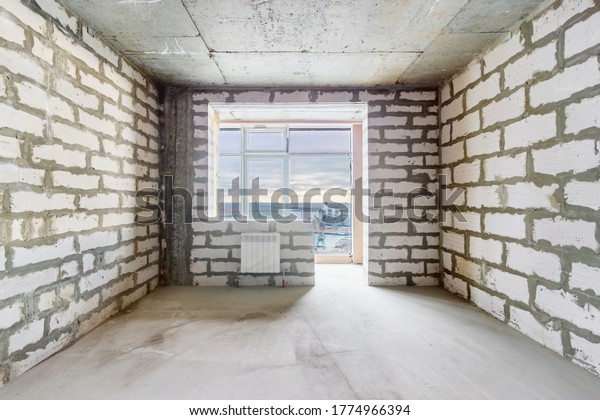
[135,17]
[182,69]
[321,26]
[459,43]
[163,45]
[491,15]
[431,70]
[310,69]
[301,43]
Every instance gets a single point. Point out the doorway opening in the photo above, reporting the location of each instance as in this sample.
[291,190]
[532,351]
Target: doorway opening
[305,160]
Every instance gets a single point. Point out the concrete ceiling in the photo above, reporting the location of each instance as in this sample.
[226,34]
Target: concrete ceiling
[301,43]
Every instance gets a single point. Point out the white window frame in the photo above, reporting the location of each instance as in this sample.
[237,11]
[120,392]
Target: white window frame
[276,154]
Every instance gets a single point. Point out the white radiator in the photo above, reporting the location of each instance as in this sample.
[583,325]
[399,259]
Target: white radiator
[260,253]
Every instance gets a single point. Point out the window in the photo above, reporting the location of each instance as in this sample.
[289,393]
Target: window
[314,163]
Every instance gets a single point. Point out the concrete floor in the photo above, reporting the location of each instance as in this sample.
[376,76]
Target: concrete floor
[338,340]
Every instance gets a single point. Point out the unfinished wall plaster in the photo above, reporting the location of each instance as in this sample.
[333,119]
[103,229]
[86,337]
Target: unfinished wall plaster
[520,130]
[78,137]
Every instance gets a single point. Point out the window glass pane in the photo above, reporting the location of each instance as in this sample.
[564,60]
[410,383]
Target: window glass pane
[230,140]
[265,140]
[332,220]
[320,140]
[324,172]
[229,169]
[269,172]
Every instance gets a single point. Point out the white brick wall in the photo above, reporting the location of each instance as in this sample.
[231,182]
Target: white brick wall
[9,147]
[562,232]
[513,286]
[503,52]
[26,283]
[58,250]
[470,270]
[55,172]
[504,109]
[75,48]
[538,195]
[570,81]
[584,194]
[504,167]
[10,31]
[542,333]
[468,76]
[27,335]
[485,249]
[36,97]
[99,201]
[454,242]
[573,157]
[453,153]
[452,110]
[97,240]
[525,195]
[75,136]
[530,130]
[69,180]
[533,262]
[565,305]
[585,278]
[486,89]
[586,353]
[582,115]
[73,222]
[483,196]
[467,172]
[455,285]
[467,124]
[73,311]
[97,124]
[75,94]
[19,63]
[582,35]
[59,155]
[472,222]
[503,224]
[20,120]
[2,258]
[489,303]
[524,69]
[555,17]
[483,144]
[10,315]
[27,201]
[9,173]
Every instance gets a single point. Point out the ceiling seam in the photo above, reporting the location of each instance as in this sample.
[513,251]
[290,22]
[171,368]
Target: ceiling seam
[316,52]
[210,52]
[400,77]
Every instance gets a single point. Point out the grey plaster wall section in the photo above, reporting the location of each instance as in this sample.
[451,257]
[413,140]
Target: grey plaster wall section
[78,137]
[519,132]
[176,158]
[402,145]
